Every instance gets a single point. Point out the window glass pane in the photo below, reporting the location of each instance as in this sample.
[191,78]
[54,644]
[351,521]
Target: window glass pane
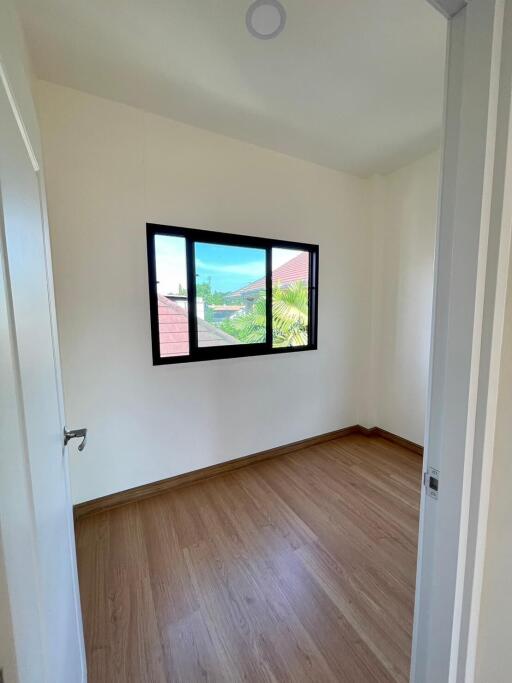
[230,291]
[290,297]
[171,275]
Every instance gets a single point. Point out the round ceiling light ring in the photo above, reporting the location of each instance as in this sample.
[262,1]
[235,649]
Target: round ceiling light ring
[253,9]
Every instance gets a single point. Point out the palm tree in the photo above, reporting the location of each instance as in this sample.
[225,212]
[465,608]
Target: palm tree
[290,315]
[289,318]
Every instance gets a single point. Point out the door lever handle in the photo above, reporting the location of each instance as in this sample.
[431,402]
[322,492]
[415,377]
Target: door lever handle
[76,434]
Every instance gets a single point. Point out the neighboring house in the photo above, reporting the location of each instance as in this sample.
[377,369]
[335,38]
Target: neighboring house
[173,327]
[222,312]
[294,270]
[182,301]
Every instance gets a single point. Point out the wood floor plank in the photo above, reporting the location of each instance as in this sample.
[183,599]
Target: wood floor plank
[299,568]
[173,593]
[334,522]
[261,543]
[383,635]
[136,654]
[93,549]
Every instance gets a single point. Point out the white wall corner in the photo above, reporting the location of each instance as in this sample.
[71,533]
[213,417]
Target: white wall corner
[368,411]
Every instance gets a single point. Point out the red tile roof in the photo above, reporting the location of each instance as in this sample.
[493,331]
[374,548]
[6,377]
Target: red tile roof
[296,269]
[173,330]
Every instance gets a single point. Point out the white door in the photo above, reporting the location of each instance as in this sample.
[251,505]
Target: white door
[29,304]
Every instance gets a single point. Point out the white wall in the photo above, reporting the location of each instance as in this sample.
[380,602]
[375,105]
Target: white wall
[403,226]
[494,653]
[110,168]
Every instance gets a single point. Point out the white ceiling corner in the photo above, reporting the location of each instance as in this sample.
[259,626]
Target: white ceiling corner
[449,8]
[355,85]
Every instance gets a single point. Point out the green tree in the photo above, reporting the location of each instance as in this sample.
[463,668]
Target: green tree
[289,318]
[204,291]
[290,315]
[249,328]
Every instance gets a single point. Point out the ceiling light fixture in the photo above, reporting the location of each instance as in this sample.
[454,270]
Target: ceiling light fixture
[265,19]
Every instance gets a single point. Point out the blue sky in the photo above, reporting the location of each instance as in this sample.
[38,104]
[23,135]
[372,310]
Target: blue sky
[229,267]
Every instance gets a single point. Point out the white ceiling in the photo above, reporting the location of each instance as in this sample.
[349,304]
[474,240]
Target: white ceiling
[356,85]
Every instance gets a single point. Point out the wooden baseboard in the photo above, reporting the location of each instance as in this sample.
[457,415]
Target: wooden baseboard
[115,500]
[399,440]
[146,490]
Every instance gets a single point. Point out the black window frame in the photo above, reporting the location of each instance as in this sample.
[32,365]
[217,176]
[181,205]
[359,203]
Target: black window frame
[200,353]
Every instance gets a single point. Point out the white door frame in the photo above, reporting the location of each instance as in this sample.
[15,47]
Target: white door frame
[472,261]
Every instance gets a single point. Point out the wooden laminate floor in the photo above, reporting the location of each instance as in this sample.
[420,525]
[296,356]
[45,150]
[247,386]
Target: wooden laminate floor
[299,568]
